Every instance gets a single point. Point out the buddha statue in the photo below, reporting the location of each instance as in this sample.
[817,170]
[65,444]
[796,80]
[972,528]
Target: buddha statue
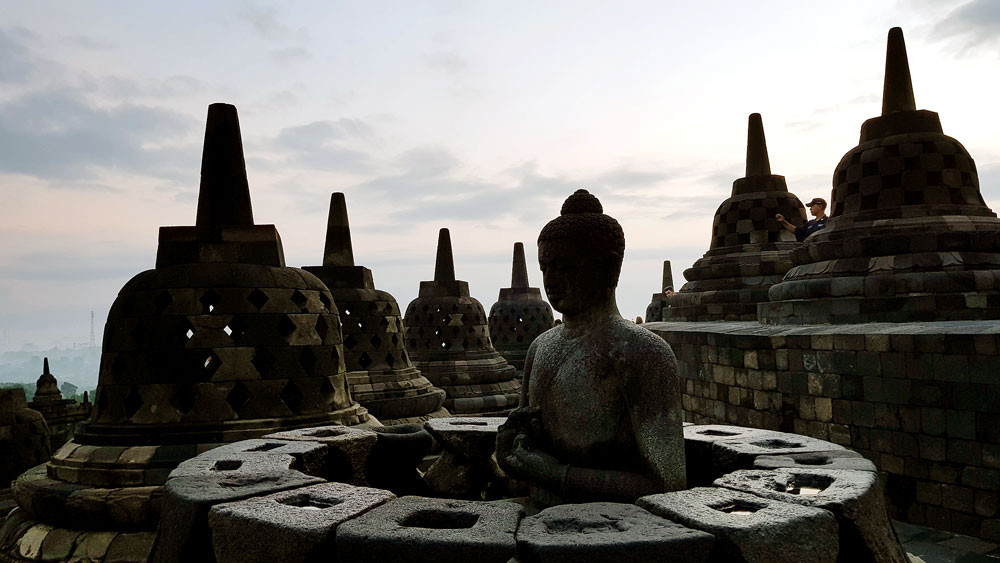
[600,414]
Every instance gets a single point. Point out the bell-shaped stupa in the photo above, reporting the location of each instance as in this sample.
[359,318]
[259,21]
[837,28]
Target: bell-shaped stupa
[909,237]
[220,342]
[750,248]
[379,371]
[519,315]
[449,341]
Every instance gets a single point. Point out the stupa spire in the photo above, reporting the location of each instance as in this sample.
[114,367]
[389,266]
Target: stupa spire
[224,197]
[757,161]
[519,274]
[45,367]
[897,92]
[444,264]
[338,251]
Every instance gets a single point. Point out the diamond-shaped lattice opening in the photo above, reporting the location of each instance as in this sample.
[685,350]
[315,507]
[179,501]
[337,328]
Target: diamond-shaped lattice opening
[350,342]
[390,360]
[395,340]
[362,325]
[236,328]
[376,341]
[209,300]
[365,360]
[299,300]
[263,360]
[326,390]
[347,312]
[335,355]
[238,396]
[383,324]
[308,359]
[132,402]
[163,300]
[183,399]
[210,363]
[325,301]
[292,396]
[446,345]
[322,327]
[257,298]
[189,333]
[285,326]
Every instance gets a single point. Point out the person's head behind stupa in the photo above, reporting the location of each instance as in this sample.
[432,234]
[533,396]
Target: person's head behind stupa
[580,254]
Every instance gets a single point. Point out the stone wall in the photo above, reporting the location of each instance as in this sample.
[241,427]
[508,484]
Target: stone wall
[921,400]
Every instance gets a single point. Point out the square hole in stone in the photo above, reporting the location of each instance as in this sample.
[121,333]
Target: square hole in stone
[327,432]
[307,502]
[808,485]
[227,465]
[776,443]
[440,520]
[265,447]
[741,508]
[717,433]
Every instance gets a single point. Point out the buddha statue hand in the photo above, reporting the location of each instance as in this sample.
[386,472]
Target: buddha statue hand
[518,453]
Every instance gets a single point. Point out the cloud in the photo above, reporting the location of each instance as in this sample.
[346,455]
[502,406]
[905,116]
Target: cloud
[266,21]
[87,42]
[290,55]
[449,62]
[974,24]
[58,134]
[327,145]
[16,61]
[69,266]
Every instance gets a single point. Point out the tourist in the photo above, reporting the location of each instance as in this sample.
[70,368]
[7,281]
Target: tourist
[817,207]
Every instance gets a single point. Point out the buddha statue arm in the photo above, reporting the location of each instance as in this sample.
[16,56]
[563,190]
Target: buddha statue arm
[652,395]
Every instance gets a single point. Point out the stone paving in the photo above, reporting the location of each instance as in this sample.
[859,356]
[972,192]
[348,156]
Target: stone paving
[928,545]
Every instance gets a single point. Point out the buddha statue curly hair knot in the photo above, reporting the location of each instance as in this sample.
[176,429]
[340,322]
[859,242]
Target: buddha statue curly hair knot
[582,221]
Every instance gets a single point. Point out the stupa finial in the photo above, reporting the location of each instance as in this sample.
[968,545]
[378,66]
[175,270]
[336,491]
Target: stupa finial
[444,264]
[338,251]
[224,197]
[757,161]
[45,367]
[897,93]
[519,274]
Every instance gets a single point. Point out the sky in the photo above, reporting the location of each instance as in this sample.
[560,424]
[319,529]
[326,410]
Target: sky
[477,116]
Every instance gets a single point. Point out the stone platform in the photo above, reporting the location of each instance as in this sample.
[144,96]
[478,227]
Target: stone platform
[294,493]
[921,400]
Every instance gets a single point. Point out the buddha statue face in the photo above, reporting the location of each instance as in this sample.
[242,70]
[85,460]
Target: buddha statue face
[576,279]
[580,255]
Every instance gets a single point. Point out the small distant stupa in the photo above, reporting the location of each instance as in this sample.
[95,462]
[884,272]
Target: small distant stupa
[750,248]
[63,416]
[519,315]
[378,367]
[654,311]
[449,341]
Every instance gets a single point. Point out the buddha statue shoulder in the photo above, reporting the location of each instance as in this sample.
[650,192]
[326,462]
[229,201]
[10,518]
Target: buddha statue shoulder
[600,415]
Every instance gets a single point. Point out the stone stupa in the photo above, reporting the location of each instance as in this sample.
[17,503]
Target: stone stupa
[750,249]
[449,341]
[519,315]
[379,370]
[654,311]
[63,416]
[220,342]
[909,237]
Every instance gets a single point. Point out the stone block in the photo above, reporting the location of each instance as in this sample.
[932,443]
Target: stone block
[431,530]
[749,528]
[183,532]
[834,459]
[604,532]
[347,450]
[854,497]
[295,525]
[713,450]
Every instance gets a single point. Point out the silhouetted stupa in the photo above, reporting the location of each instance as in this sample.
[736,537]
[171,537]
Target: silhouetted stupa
[63,416]
[220,342]
[519,315]
[378,367]
[909,237]
[449,341]
[654,311]
[750,248]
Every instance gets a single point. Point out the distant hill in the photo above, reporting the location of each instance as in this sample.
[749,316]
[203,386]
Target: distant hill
[78,367]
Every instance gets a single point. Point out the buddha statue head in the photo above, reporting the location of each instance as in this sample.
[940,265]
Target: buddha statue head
[580,254]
